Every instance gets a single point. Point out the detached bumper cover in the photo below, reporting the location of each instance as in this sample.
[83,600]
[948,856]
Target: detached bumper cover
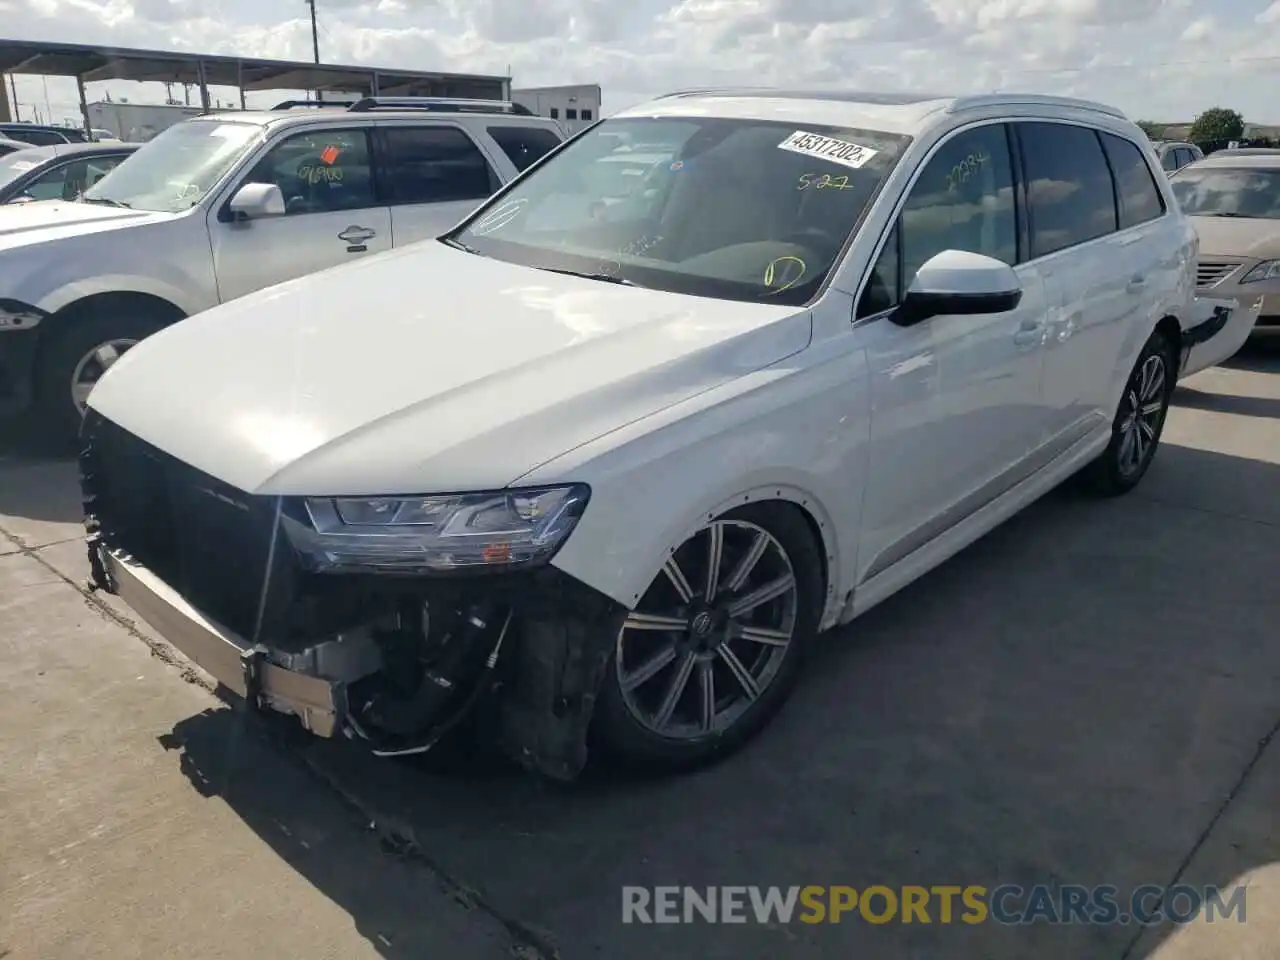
[320,705]
[1222,326]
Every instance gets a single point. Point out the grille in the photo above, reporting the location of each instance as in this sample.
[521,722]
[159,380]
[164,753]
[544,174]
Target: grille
[1209,272]
[209,541]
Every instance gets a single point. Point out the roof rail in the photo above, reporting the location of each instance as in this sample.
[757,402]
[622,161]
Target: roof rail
[1030,99]
[294,104]
[439,105]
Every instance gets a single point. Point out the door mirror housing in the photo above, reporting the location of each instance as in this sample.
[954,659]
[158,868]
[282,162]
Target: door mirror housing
[959,282]
[254,201]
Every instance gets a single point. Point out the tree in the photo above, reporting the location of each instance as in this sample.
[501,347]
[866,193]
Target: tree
[1217,123]
[1153,130]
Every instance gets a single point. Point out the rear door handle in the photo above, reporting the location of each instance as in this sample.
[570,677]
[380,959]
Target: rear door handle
[356,235]
[1137,283]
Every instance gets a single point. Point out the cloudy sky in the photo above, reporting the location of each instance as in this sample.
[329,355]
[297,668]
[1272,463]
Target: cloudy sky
[1157,59]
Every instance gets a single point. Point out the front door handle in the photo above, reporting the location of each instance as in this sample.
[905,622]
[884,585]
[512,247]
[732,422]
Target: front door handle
[1136,283]
[356,235]
[1030,332]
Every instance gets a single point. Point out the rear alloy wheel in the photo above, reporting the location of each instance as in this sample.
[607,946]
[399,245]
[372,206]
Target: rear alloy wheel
[712,648]
[1139,422]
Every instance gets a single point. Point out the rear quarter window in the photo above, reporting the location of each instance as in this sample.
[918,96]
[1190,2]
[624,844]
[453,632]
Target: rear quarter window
[524,146]
[1140,197]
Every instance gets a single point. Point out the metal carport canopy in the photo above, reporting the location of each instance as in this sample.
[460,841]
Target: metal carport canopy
[89,64]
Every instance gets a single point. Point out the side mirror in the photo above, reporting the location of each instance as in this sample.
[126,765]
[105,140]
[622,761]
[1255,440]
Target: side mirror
[254,201]
[959,282]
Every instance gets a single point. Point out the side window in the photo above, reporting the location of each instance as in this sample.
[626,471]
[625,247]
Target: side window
[435,165]
[1070,193]
[1170,159]
[49,185]
[524,146]
[963,200]
[1140,198]
[320,171]
[1185,156]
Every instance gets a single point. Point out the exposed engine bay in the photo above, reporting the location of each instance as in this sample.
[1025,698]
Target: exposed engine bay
[393,661]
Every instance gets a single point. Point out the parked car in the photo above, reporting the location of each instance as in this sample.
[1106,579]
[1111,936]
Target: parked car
[40,135]
[611,478]
[58,173]
[1233,199]
[219,206]
[1175,155]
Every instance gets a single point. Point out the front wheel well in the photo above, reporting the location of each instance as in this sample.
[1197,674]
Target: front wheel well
[127,302]
[1172,330]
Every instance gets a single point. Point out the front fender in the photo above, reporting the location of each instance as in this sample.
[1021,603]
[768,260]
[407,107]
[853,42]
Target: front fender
[795,432]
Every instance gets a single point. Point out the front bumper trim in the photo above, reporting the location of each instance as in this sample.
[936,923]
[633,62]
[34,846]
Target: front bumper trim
[320,705]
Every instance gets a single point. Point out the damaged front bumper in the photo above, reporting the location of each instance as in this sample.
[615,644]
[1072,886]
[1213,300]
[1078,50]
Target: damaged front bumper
[555,636]
[394,661]
[234,662]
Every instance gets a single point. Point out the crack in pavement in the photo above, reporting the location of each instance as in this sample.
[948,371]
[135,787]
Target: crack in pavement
[1203,838]
[1137,494]
[394,840]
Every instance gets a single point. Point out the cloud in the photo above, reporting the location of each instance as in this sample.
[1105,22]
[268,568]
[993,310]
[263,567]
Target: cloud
[1157,59]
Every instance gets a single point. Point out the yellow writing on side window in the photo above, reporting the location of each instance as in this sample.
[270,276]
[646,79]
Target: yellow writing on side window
[965,169]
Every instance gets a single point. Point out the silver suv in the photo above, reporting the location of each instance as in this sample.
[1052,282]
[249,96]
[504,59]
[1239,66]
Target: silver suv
[223,205]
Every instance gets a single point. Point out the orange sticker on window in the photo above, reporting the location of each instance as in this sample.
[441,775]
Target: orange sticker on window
[329,155]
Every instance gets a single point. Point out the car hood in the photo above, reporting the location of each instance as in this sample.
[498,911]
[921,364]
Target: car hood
[426,369]
[22,224]
[1238,237]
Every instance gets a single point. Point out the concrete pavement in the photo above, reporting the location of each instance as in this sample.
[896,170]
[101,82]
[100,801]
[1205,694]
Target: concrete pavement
[1088,695]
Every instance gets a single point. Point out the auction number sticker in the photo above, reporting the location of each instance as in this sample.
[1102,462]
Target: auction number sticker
[852,155]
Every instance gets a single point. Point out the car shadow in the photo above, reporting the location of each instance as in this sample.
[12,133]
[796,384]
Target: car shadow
[1227,403]
[38,480]
[1066,702]
[1260,354]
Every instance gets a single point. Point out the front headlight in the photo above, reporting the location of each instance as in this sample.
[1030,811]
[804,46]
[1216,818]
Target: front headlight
[1266,270]
[437,533]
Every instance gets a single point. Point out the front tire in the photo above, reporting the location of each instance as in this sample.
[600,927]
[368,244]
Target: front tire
[713,648]
[77,354]
[1139,422]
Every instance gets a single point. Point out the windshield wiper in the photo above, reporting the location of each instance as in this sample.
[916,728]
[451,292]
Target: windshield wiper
[106,201]
[602,277]
[458,245]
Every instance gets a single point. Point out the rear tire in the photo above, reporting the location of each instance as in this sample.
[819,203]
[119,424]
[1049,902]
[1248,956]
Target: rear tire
[78,351]
[709,645]
[1138,424]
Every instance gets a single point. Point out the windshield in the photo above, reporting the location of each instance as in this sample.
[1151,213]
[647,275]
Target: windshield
[174,171]
[735,209]
[14,165]
[1229,192]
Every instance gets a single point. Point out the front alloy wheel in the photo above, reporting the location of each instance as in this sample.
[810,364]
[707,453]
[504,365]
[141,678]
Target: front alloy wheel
[90,368]
[711,649]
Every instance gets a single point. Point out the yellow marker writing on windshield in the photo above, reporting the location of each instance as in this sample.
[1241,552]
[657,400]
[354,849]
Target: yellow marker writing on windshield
[779,268]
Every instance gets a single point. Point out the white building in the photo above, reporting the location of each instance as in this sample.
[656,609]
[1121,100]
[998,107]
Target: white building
[574,107]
